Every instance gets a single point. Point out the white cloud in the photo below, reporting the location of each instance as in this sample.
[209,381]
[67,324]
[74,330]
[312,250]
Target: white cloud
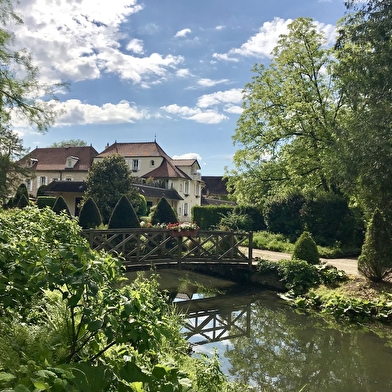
[229,96]
[211,83]
[262,44]
[233,109]
[189,155]
[78,113]
[183,73]
[195,114]
[79,40]
[182,33]
[135,46]
[220,27]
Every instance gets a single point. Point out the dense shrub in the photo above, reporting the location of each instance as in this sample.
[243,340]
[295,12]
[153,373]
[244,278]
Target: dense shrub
[139,203]
[306,249]
[329,218]
[89,216]
[375,261]
[163,213]
[236,222]
[282,214]
[61,206]
[23,202]
[41,190]
[123,215]
[208,217]
[255,214]
[45,201]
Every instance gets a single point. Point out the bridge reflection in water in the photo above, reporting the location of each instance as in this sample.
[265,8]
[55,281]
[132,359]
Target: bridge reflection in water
[215,319]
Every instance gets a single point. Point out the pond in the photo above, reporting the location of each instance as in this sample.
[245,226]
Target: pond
[263,342]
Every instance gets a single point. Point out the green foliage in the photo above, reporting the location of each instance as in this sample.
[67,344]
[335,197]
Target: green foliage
[255,215]
[73,326]
[140,205]
[41,190]
[21,191]
[363,71]
[23,202]
[236,222]
[349,309]
[60,206]
[275,242]
[329,218]
[282,214]
[209,216]
[163,213]
[108,180]
[375,261]
[306,249]
[45,201]
[291,111]
[299,276]
[123,215]
[69,143]
[89,216]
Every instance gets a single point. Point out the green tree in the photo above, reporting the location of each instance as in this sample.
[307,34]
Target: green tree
[123,215]
[108,180]
[364,76]
[70,142]
[90,216]
[22,95]
[375,261]
[163,213]
[291,110]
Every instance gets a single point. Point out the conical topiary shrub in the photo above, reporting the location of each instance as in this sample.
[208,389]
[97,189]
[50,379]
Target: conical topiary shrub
[123,215]
[21,191]
[60,205]
[375,261]
[163,213]
[23,202]
[89,216]
[306,249]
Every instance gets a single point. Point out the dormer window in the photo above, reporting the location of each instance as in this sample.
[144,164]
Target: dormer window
[71,162]
[31,162]
[152,163]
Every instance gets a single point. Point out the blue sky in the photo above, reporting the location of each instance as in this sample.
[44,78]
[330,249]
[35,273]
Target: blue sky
[166,69]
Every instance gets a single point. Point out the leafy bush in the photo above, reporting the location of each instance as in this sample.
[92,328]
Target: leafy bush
[375,261]
[282,214]
[123,215]
[89,216]
[269,241]
[255,216]
[163,213]
[209,216]
[306,249]
[329,218]
[236,222]
[73,326]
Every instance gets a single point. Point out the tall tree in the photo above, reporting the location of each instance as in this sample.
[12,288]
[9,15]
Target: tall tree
[364,75]
[107,181]
[286,131]
[21,97]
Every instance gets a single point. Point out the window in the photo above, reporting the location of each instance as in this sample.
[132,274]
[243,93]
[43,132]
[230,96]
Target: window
[55,179]
[185,209]
[68,179]
[135,165]
[152,163]
[197,189]
[42,181]
[186,187]
[29,184]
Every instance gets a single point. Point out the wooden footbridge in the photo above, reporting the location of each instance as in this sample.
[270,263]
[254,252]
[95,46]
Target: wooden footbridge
[147,248]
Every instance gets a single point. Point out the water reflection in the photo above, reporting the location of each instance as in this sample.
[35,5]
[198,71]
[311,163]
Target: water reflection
[263,342]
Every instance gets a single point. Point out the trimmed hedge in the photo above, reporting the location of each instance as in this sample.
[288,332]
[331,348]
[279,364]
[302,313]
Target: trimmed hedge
[208,217]
[89,216]
[123,215]
[163,213]
[45,201]
[60,205]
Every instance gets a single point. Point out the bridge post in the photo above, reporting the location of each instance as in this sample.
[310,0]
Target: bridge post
[250,249]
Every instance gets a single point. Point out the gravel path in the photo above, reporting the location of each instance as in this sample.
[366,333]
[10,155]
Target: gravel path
[348,265]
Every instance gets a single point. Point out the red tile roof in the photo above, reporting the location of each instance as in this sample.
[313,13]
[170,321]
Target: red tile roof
[166,170]
[54,158]
[146,149]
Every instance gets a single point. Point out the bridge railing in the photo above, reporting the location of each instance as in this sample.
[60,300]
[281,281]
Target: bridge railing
[148,246]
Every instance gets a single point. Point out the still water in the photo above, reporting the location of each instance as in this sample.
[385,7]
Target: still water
[263,342]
